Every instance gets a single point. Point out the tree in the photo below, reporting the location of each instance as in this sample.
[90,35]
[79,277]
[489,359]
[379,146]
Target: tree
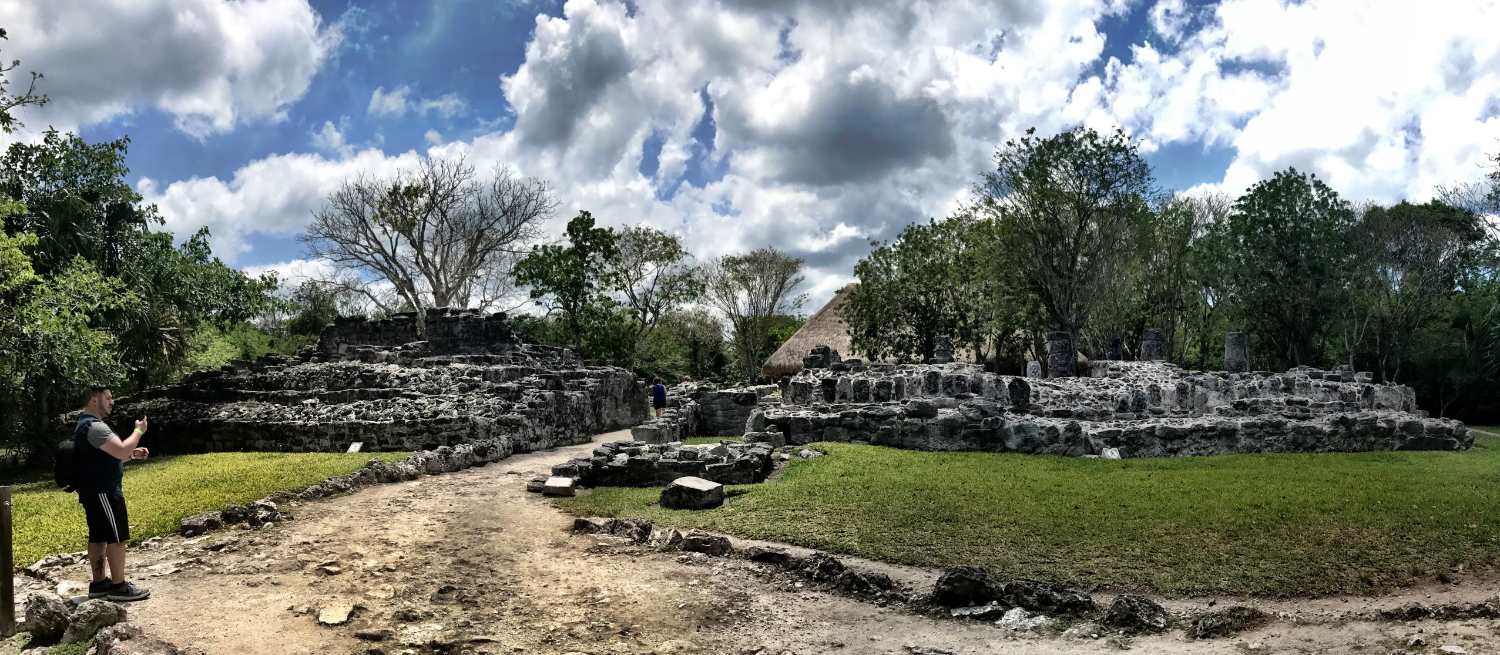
[51,344]
[750,290]
[438,233]
[573,282]
[1066,203]
[653,273]
[10,101]
[1207,276]
[78,206]
[1288,258]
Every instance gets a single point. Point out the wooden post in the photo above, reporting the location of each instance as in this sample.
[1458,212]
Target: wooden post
[7,563]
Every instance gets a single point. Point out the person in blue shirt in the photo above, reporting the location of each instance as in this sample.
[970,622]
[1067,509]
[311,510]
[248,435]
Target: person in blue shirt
[658,396]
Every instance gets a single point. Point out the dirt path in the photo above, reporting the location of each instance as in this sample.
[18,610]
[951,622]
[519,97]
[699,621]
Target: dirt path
[470,563]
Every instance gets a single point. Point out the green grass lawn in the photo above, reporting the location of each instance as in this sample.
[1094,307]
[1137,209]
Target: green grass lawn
[161,491]
[1265,525]
[696,441]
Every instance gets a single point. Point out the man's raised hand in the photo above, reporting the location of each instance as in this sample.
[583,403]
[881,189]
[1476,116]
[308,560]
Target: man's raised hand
[141,425]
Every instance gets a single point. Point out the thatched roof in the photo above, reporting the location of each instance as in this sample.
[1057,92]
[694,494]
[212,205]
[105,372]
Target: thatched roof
[825,328]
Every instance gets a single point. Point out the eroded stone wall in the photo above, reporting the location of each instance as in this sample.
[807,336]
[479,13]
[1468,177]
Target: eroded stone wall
[413,396]
[1130,409]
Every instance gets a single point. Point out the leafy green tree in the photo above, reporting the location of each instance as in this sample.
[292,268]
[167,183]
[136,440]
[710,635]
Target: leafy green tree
[51,345]
[79,206]
[1065,204]
[935,280]
[1413,257]
[751,291]
[572,281]
[654,274]
[1288,257]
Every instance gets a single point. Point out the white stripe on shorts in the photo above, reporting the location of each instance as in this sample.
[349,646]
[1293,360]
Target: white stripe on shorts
[109,513]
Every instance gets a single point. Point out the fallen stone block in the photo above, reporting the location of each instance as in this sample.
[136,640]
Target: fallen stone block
[558,486]
[197,524]
[1227,622]
[698,541]
[692,493]
[1137,615]
[774,556]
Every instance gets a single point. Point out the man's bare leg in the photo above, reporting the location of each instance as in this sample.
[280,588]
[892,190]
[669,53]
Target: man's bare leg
[96,561]
[115,553]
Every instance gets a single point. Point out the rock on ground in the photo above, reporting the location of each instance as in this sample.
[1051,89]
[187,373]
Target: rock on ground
[1136,614]
[1226,622]
[90,617]
[690,492]
[46,618]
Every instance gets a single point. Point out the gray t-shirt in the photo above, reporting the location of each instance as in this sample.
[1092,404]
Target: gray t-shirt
[111,478]
[99,434]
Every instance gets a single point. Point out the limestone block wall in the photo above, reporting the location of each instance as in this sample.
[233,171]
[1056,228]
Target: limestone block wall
[448,331]
[392,398]
[1136,408]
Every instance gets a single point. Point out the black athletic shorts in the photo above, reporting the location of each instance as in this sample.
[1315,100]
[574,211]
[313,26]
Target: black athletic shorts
[105,513]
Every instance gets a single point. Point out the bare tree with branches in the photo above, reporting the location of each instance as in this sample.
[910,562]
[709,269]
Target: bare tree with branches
[438,233]
[750,290]
[10,101]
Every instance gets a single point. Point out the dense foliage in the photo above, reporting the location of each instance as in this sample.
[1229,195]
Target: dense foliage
[1069,234]
[91,291]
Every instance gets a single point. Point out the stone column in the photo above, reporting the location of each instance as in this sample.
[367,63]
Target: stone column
[1062,358]
[1153,345]
[1236,352]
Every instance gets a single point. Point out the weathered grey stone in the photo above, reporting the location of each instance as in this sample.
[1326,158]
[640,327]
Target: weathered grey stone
[90,617]
[200,523]
[46,618]
[1130,409]
[1033,369]
[127,639]
[698,541]
[1136,614]
[692,493]
[773,556]
[558,486]
[1153,345]
[1062,357]
[1236,352]
[1226,622]
[963,586]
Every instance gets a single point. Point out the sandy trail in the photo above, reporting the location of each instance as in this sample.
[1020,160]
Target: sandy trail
[470,563]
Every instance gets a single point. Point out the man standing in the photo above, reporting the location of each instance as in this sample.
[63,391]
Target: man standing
[658,396]
[101,457]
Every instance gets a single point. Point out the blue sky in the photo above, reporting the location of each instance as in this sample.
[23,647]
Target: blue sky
[815,127]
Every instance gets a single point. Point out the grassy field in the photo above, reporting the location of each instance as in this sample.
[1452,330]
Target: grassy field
[692,441]
[162,491]
[1265,525]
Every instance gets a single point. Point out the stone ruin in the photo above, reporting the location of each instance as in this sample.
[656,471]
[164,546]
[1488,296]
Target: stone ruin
[703,410]
[1120,409]
[628,464]
[376,382]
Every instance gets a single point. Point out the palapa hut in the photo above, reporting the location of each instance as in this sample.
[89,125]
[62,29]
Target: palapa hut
[825,328]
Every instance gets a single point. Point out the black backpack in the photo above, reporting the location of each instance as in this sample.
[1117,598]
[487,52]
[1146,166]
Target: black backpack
[67,467]
[65,470]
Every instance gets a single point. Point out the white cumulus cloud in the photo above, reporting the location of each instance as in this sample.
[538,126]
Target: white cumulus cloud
[210,64]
